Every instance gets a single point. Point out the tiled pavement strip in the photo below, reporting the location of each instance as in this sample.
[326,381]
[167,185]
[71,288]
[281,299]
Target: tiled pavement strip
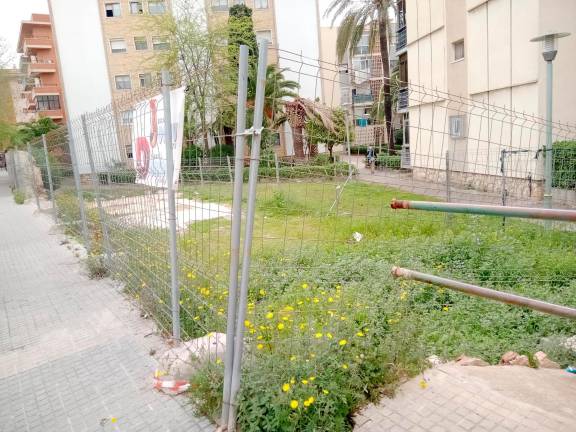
[74,353]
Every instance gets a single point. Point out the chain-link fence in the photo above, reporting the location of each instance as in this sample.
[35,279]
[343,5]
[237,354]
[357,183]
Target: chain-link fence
[304,291]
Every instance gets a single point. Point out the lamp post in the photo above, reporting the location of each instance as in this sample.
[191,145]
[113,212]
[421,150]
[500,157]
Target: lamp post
[549,51]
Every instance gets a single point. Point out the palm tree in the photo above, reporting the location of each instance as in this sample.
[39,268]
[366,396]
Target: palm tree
[357,16]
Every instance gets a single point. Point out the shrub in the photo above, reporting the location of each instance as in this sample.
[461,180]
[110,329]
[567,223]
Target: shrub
[190,155]
[221,151]
[388,161]
[19,196]
[564,164]
[96,267]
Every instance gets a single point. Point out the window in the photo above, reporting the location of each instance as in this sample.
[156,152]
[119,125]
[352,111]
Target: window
[261,4]
[458,50]
[127,117]
[160,43]
[361,64]
[238,2]
[145,80]
[118,45]
[264,35]
[219,5]
[457,126]
[156,7]
[113,10]
[140,43]
[362,46]
[136,8]
[123,82]
[47,103]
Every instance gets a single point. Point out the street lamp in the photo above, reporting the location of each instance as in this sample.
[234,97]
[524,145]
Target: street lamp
[549,51]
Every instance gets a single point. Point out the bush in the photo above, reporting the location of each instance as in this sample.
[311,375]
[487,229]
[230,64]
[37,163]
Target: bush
[398,138]
[190,155]
[564,164]
[118,175]
[221,151]
[19,196]
[388,161]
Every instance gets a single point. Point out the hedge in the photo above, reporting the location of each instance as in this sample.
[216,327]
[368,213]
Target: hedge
[564,164]
[388,161]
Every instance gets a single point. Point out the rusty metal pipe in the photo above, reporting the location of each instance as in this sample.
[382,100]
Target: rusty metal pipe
[478,291]
[487,210]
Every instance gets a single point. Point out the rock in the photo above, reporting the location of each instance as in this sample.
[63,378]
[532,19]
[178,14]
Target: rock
[520,360]
[542,361]
[464,360]
[183,359]
[434,360]
[508,357]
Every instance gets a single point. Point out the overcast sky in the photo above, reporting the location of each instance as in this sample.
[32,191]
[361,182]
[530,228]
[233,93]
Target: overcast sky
[13,12]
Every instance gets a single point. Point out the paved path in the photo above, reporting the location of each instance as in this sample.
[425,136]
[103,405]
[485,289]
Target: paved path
[470,398]
[74,353]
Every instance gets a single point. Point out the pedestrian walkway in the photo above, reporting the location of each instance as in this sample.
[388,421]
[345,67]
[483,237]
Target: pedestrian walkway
[74,352]
[453,398]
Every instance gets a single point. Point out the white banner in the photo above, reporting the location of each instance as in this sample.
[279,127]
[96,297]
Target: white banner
[149,142]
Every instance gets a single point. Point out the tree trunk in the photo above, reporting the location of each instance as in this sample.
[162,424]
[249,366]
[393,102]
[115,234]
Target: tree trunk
[298,138]
[383,34]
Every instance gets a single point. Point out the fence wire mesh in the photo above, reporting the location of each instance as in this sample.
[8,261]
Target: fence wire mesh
[327,326]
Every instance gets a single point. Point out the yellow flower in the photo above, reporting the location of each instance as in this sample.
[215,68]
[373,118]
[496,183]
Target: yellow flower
[344,366]
[113,419]
[252,331]
[312,378]
[329,335]
[445,308]
[305,382]
[285,387]
[423,384]
[309,401]
[318,335]
[403,295]
[294,404]
[262,292]
[218,361]
[280,326]
[191,275]
[247,323]
[304,285]
[259,346]
[330,299]
[181,302]
[260,337]
[292,358]
[196,318]
[292,380]
[342,342]
[360,334]
[302,326]
[316,300]
[325,391]
[269,315]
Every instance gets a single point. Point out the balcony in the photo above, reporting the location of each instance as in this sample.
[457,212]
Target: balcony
[45,90]
[401,40]
[403,100]
[363,98]
[38,66]
[55,114]
[37,43]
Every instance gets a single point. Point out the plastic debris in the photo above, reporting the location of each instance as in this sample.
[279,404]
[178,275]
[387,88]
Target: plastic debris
[170,385]
[357,236]
[571,369]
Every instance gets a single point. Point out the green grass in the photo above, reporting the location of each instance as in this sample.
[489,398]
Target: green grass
[312,286]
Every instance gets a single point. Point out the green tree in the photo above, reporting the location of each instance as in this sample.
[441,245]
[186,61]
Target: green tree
[357,17]
[241,32]
[26,132]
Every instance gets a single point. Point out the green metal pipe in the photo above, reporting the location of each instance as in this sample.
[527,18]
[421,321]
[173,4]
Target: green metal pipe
[478,291]
[488,210]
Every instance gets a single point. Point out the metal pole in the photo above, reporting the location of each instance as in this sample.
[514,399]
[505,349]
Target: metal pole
[503,171]
[199,162]
[277,165]
[76,172]
[236,228]
[96,186]
[229,169]
[15,159]
[548,149]
[487,210]
[32,175]
[478,291]
[166,82]
[49,173]
[348,146]
[252,183]
[448,197]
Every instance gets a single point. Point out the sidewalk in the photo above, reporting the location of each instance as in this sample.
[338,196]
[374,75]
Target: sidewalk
[74,353]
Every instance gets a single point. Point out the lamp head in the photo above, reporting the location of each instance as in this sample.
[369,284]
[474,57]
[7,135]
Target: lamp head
[549,44]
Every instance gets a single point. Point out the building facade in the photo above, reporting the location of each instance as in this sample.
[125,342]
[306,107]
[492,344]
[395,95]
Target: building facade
[473,73]
[41,88]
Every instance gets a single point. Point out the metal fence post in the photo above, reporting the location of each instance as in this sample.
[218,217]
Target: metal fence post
[166,83]
[76,172]
[32,175]
[252,183]
[348,146]
[15,168]
[448,192]
[277,165]
[548,148]
[236,228]
[49,174]
[230,169]
[96,185]
[199,162]
[503,172]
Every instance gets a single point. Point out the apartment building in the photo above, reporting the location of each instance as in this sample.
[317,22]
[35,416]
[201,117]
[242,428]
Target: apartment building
[480,50]
[40,81]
